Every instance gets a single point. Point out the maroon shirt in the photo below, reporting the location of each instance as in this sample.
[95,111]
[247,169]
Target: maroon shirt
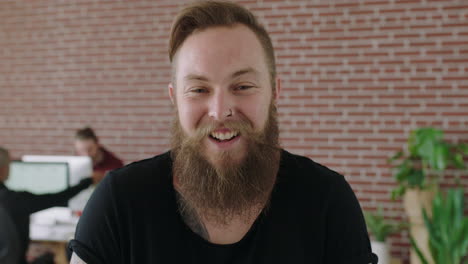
[109,162]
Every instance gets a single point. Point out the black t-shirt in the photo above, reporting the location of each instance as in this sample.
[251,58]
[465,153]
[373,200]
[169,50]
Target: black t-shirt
[313,217]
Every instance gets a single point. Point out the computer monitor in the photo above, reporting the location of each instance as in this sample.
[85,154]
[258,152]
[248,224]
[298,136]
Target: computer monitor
[80,167]
[38,177]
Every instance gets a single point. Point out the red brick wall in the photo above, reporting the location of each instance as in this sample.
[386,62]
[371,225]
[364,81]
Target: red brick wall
[357,76]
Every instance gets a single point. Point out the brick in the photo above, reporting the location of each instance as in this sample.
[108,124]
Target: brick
[318,6]
[375,2]
[454,114]
[390,45]
[393,10]
[408,1]
[451,60]
[455,43]
[330,14]
[455,7]
[423,9]
[440,52]
[407,35]
[359,29]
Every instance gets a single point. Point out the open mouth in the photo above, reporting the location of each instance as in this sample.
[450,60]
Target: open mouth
[224,136]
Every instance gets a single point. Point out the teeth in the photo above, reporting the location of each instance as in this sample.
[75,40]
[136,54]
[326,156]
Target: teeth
[224,136]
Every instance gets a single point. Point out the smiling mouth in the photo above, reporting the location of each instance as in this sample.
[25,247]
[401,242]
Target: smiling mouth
[224,137]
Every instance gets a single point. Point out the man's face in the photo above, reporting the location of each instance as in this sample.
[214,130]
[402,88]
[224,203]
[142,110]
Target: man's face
[222,78]
[87,147]
[225,135]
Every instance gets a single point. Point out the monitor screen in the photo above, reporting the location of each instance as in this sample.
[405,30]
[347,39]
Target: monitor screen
[38,177]
[80,167]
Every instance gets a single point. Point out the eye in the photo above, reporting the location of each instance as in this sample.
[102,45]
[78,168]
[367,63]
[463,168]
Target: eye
[243,87]
[198,90]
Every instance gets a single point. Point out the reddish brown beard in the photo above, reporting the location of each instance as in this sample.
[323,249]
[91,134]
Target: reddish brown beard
[228,189]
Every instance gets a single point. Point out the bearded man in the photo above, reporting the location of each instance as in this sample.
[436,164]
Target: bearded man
[226,192]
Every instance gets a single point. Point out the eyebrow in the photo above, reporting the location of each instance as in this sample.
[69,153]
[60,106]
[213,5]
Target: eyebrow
[195,77]
[198,77]
[244,71]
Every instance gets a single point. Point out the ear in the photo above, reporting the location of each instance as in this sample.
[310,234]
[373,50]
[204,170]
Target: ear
[278,89]
[170,89]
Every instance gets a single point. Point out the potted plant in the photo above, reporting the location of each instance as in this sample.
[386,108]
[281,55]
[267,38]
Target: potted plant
[380,229]
[448,229]
[426,157]
[417,170]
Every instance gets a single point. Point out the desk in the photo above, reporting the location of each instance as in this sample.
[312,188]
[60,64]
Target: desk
[37,248]
[52,229]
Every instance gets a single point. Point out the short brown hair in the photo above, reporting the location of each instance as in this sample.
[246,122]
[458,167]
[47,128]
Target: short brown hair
[206,14]
[86,133]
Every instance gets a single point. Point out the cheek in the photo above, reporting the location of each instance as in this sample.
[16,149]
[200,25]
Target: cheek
[257,113]
[94,151]
[80,151]
[189,116]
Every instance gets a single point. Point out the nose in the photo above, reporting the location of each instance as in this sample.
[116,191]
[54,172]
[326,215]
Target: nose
[221,105]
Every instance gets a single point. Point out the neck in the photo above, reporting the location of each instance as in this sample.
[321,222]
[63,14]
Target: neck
[99,156]
[228,232]
[234,230]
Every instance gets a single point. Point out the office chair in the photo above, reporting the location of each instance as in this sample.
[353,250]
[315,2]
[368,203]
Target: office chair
[9,239]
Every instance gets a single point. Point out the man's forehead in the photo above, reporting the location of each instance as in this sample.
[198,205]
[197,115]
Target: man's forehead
[236,47]
[200,76]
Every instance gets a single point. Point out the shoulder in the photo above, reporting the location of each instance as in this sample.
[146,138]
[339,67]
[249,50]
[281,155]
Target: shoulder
[142,175]
[308,181]
[124,191]
[110,157]
[156,164]
[321,183]
[306,169]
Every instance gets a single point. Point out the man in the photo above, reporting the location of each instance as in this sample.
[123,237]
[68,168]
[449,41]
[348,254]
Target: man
[87,144]
[226,192]
[19,205]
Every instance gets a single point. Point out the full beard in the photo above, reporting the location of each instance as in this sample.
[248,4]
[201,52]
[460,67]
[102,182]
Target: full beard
[221,188]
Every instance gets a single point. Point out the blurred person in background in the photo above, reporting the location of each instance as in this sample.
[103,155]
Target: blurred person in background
[87,144]
[20,205]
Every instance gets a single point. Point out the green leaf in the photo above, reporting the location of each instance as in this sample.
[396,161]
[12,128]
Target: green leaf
[458,161]
[457,201]
[439,157]
[463,241]
[448,228]
[463,148]
[418,251]
[401,175]
[426,149]
[398,192]
[397,155]
[413,143]
[460,238]
[422,142]
[380,227]
[416,178]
